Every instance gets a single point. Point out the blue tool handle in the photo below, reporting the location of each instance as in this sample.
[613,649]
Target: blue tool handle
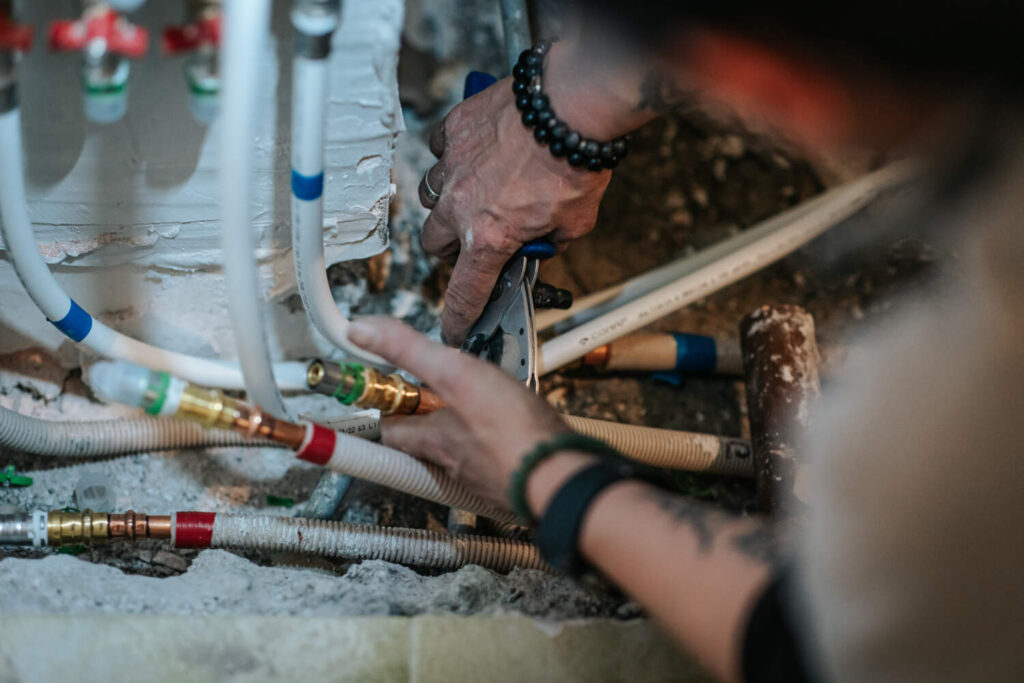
[478,81]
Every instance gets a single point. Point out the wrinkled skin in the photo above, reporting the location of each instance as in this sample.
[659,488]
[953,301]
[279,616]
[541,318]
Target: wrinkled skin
[498,189]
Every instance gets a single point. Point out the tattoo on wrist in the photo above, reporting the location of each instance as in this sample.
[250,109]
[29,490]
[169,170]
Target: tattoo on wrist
[660,94]
[707,524]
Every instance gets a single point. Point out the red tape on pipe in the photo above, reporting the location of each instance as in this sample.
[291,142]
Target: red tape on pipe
[320,447]
[193,529]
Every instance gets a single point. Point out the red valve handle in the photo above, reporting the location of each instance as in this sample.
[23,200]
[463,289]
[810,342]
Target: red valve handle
[14,37]
[121,37]
[188,37]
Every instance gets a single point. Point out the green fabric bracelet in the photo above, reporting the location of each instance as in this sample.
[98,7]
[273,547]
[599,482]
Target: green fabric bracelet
[569,441]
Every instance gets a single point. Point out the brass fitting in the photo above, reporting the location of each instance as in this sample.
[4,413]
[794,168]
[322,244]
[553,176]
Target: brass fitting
[213,410]
[64,527]
[356,385]
[209,407]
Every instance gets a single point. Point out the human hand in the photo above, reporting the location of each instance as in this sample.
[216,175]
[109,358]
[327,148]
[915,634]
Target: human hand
[489,423]
[498,189]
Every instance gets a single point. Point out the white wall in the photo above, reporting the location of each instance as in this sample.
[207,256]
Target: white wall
[127,214]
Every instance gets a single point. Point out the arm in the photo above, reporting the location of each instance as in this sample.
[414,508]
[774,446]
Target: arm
[499,188]
[695,569]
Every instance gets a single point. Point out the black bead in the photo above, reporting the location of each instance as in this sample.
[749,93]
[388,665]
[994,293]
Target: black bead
[531,71]
[520,87]
[611,162]
[590,148]
[619,147]
[542,47]
[572,140]
[606,151]
[625,151]
[559,130]
[543,116]
[522,56]
[540,102]
[595,164]
[558,148]
[529,118]
[576,159]
[519,72]
[523,102]
[541,135]
[530,59]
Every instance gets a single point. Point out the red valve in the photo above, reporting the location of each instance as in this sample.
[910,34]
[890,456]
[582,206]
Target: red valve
[121,37]
[14,37]
[178,39]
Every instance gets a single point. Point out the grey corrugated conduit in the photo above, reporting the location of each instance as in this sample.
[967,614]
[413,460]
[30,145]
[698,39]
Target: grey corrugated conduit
[362,542]
[109,437]
[669,448]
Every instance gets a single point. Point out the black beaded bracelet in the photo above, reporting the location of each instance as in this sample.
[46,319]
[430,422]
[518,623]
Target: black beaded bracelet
[548,129]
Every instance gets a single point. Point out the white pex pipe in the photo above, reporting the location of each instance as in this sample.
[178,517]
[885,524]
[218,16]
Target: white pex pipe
[67,316]
[347,454]
[309,101]
[836,205]
[246,25]
[350,541]
[741,255]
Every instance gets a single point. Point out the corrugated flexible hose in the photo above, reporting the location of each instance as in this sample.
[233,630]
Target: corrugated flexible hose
[109,437]
[669,448]
[362,542]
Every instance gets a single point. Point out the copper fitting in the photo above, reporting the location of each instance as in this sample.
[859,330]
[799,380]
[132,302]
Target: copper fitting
[598,357]
[429,402]
[254,423]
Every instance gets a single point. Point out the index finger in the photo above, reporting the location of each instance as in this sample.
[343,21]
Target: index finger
[468,291]
[445,369]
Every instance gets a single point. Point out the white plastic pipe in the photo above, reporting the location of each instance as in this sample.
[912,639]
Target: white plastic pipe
[67,316]
[309,102]
[745,253]
[246,25]
[586,308]
[347,454]
[837,205]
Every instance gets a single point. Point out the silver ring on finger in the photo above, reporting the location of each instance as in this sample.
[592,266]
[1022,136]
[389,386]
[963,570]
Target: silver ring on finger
[431,193]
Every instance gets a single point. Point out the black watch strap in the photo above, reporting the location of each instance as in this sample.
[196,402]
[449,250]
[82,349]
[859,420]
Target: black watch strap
[558,534]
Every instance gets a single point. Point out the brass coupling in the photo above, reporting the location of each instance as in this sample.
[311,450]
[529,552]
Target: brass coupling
[208,407]
[64,527]
[363,387]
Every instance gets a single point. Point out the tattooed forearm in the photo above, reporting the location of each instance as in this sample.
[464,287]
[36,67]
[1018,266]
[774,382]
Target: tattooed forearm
[701,519]
[755,541]
[660,94]
[758,544]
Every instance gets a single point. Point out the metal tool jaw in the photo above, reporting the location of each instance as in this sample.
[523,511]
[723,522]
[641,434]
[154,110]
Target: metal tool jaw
[505,333]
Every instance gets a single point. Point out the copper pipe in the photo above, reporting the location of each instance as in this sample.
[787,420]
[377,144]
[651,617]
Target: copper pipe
[599,357]
[429,402]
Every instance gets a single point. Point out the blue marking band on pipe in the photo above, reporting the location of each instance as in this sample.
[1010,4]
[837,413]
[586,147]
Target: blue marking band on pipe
[695,353]
[538,249]
[76,324]
[307,187]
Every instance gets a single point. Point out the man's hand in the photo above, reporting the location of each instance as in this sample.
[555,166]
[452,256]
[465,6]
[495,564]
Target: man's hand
[490,422]
[498,189]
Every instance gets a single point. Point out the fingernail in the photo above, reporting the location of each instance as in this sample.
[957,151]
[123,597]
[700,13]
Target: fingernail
[363,334]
